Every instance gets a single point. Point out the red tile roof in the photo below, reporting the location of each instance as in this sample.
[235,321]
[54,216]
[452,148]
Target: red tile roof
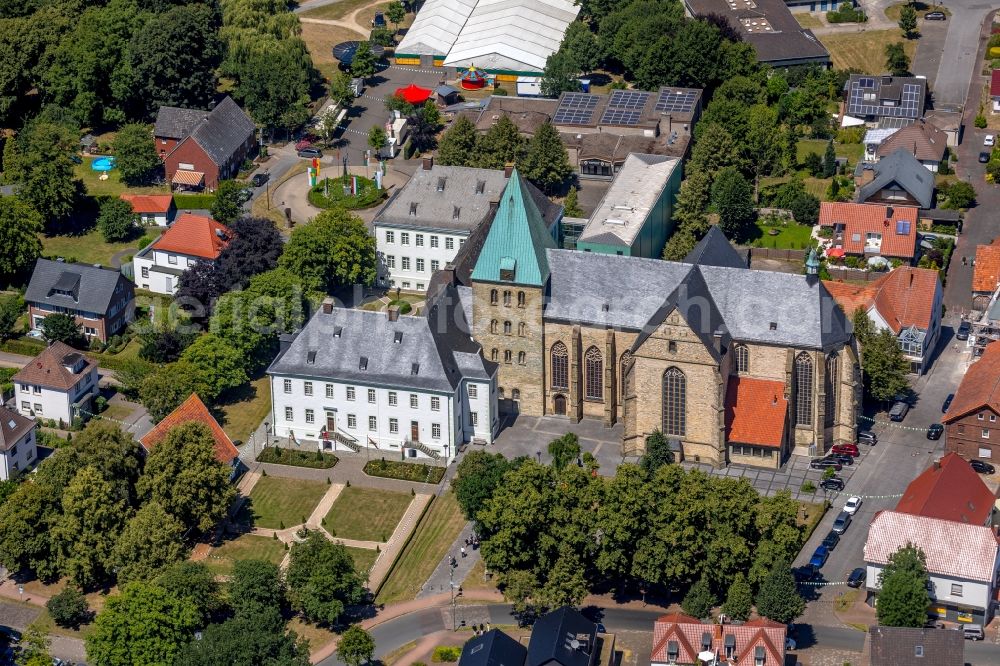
[193,410]
[980,387]
[986,274]
[948,490]
[756,411]
[194,235]
[860,219]
[149,203]
[903,297]
[689,634]
[995,83]
[48,369]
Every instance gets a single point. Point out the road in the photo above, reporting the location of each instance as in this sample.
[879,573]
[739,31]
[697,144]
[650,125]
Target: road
[960,53]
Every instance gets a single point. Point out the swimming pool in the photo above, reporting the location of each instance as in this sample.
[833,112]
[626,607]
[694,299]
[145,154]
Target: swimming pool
[103,164]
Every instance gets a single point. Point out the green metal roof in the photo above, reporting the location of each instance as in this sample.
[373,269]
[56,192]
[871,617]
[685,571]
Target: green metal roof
[517,240]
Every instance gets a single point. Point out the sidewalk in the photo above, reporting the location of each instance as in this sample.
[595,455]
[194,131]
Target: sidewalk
[443,575]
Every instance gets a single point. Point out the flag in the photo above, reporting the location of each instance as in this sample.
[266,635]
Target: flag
[354,185]
[372,442]
[316,166]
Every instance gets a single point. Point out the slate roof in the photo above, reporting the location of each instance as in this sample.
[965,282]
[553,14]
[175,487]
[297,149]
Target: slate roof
[890,530]
[903,297]
[552,636]
[494,648]
[13,428]
[518,237]
[950,490]
[986,274]
[897,646]
[714,250]
[223,131]
[527,113]
[921,139]
[756,411]
[980,386]
[859,219]
[903,169]
[49,368]
[93,288]
[176,123]
[193,410]
[195,236]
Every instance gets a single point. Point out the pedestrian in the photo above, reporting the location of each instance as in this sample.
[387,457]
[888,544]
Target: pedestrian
[965,261]
[463,551]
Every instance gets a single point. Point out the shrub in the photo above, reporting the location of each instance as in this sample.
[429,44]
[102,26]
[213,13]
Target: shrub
[808,487]
[394,469]
[448,653]
[68,608]
[846,13]
[317,460]
[404,307]
[850,135]
[144,241]
[980,121]
[100,404]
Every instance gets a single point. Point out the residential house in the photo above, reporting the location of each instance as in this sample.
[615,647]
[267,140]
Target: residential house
[57,385]
[870,230]
[634,218]
[428,220]
[906,301]
[18,448]
[680,640]
[769,26]
[564,637]
[985,274]
[416,386]
[200,148]
[906,646]
[873,140]
[949,490]
[493,648]
[152,209]
[995,90]
[962,583]
[921,139]
[971,428]
[100,299]
[193,410]
[948,121]
[896,180]
[189,240]
[870,99]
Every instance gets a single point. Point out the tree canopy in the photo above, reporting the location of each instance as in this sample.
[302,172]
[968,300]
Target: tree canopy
[135,154]
[20,225]
[322,580]
[117,222]
[334,250]
[356,646]
[903,599]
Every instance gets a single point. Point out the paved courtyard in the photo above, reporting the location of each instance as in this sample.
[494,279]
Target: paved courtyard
[530,436]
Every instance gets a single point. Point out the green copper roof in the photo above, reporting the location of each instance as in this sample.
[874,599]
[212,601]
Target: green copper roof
[517,240]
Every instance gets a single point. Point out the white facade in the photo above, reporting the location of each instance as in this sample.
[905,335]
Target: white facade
[159,271]
[42,402]
[394,419]
[953,595]
[409,256]
[19,457]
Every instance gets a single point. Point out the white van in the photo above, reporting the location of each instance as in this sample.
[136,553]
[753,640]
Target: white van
[973,632]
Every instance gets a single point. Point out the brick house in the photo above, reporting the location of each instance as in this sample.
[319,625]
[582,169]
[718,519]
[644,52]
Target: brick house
[102,300]
[680,639]
[194,410]
[200,148]
[971,426]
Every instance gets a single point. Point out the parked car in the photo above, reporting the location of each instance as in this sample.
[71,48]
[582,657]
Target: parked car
[934,431]
[842,458]
[989,140]
[841,523]
[963,331]
[303,143]
[982,467]
[973,632]
[898,411]
[947,403]
[310,152]
[984,157]
[835,483]
[831,540]
[804,573]
[789,643]
[857,577]
[260,178]
[819,556]
[823,463]
[853,504]
[867,437]
[846,450]
[935,16]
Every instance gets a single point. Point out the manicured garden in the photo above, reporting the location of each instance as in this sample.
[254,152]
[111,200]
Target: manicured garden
[246,547]
[335,192]
[404,471]
[277,503]
[90,248]
[786,235]
[312,459]
[247,410]
[364,558]
[366,514]
[113,186]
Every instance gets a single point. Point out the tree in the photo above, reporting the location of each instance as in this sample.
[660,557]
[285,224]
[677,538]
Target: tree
[167,387]
[581,46]
[11,309]
[39,158]
[896,60]
[883,366]
[183,475]
[501,145]
[273,79]
[546,163]
[242,642]
[363,65]
[114,453]
[256,589]
[805,209]
[733,198]
[699,600]
[376,139]
[657,454]
[152,539]
[117,222]
[230,196]
[778,599]
[341,91]
[563,450]
[903,598]
[424,123]
[458,145]
[571,206]
[62,327]
[477,478]
[254,249]
[829,161]
[322,580]
[144,624]
[739,600]
[813,163]
[20,225]
[960,195]
[396,13]
[560,74]
[34,647]
[68,608]
[714,150]
[220,366]
[908,21]
[332,251]
[164,346]
[135,154]
[195,582]
[356,646]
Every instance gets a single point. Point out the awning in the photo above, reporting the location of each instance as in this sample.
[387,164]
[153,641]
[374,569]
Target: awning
[414,94]
[835,252]
[189,178]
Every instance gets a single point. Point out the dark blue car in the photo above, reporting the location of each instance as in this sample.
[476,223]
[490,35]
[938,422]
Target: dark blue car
[818,558]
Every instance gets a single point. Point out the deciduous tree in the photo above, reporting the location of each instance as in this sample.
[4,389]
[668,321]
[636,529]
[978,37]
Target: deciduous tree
[778,599]
[68,608]
[908,21]
[117,222]
[322,580]
[230,196]
[39,159]
[195,582]
[733,198]
[458,145]
[341,91]
[477,477]
[564,450]
[34,648]
[62,327]
[501,145]
[20,225]
[135,154]
[332,251]
[581,46]
[243,642]
[167,387]
[560,75]
[363,65]
[220,366]
[714,150]
[376,139]
[151,540]
[256,589]
[112,452]
[883,366]
[903,598]
[657,453]
[545,162]
[356,646]
[396,13]
[896,60]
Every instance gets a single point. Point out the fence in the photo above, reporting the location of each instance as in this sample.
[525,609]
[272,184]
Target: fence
[836,272]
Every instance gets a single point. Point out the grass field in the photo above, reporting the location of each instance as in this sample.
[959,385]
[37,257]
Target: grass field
[892,12]
[342,9]
[366,514]
[113,186]
[320,40]
[88,248]
[246,547]
[791,236]
[240,418]
[476,578]
[316,636]
[852,151]
[815,186]
[364,558]
[807,20]
[864,51]
[275,501]
[427,547]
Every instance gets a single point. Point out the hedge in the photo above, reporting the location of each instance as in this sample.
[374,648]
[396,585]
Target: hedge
[194,201]
[24,347]
[311,459]
[368,197]
[394,469]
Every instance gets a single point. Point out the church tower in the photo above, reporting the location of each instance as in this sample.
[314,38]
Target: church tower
[509,283]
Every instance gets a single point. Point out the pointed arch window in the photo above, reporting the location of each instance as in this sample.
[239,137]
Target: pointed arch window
[831,386]
[742,358]
[803,389]
[674,402]
[493,296]
[559,360]
[594,374]
[626,363]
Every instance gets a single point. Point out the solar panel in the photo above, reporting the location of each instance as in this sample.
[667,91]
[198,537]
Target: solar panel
[676,101]
[866,83]
[903,227]
[620,117]
[575,109]
[628,99]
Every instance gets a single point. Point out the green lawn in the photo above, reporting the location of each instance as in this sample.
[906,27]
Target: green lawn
[366,514]
[364,558]
[247,547]
[274,501]
[791,236]
[427,547]
[852,151]
[112,186]
[88,248]
[815,186]
[241,416]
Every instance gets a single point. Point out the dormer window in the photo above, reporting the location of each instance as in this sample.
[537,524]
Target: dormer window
[730,646]
[363,363]
[508,270]
[338,331]
[455,212]
[397,337]
[441,183]
[413,208]
[311,357]
[759,656]
[706,641]
[480,186]
[673,652]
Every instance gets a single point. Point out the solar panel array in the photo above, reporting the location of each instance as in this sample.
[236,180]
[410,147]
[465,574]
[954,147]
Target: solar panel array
[624,107]
[676,101]
[576,109]
[908,107]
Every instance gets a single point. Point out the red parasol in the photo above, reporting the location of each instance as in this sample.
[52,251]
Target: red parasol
[414,94]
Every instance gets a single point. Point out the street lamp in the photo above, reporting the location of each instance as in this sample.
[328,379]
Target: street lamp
[538,454]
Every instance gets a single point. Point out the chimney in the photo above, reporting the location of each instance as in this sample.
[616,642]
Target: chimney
[717,340]
[507,170]
[393,313]
[494,205]
[428,163]
[448,275]
[937,464]
[327,305]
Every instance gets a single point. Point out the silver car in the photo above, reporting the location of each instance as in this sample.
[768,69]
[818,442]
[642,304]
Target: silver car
[841,523]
